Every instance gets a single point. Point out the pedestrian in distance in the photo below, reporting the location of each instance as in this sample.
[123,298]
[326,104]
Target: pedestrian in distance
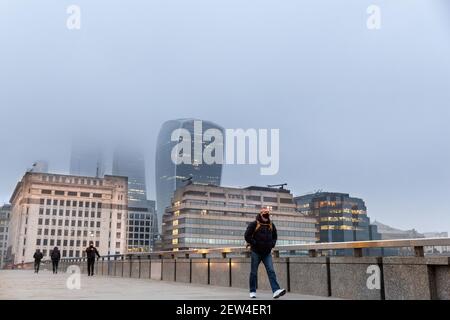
[261,235]
[91,252]
[38,256]
[55,255]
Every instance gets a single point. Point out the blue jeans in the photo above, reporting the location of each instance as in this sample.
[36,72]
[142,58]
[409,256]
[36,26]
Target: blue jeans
[267,260]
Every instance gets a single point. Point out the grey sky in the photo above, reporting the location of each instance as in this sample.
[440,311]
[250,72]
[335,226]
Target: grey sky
[359,111]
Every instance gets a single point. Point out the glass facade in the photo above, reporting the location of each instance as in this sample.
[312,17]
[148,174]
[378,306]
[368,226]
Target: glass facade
[170,176]
[130,162]
[340,217]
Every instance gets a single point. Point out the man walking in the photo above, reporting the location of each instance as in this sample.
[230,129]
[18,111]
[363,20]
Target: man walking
[55,255]
[37,260]
[261,234]
[91,252]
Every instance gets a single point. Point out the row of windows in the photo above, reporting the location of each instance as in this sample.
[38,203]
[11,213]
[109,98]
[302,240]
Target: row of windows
[55,212]
[66,179]
[234,205]
[240,233]
[71,193]
[70,203]
[243,224]
[67,233]
[73,223]
[232,242]
[65,243]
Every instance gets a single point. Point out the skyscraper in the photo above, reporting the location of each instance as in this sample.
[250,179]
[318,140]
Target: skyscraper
[86,159]
[168,175]
[129,161]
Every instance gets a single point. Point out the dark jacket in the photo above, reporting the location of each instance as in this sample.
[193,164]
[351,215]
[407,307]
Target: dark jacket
[55,255]
[262,240]
[91,252]
[38,256]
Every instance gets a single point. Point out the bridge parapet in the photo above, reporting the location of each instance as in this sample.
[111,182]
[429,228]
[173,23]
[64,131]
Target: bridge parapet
[305,269]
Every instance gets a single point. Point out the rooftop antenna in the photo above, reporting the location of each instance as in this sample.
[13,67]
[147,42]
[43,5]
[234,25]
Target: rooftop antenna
[281,186]
[188,180]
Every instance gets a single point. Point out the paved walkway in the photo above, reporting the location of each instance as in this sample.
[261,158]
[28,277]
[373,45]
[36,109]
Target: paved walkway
[25,284]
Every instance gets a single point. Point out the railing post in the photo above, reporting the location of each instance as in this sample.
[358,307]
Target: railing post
[122,258]
[312,253]
[418,251]
[357,252]
[131,264]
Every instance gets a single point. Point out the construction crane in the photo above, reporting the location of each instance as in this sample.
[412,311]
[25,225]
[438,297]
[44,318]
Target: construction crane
[281,186]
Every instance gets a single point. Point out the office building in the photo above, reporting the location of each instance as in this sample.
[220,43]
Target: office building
[130,162]
[340,218]
[168,175]
[207,216]
[67,211]
[87,159]
[5,212]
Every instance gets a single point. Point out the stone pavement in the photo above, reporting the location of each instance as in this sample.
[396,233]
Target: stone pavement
[25,284]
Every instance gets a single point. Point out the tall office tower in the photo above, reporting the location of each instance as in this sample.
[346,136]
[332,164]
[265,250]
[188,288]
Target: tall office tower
[5,213]
[86,159]
[168,175]
[67,211]
[130,162]
[206,216]
[340,217]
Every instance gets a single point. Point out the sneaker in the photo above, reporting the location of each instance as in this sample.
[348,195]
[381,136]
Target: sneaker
[279,293]
[252,295]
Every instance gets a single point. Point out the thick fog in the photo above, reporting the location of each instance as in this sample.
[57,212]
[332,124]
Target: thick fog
[361,111]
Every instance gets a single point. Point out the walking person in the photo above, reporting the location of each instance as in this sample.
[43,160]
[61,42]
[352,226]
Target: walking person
[91,252]
[38,256]
[261,234]
[55,255]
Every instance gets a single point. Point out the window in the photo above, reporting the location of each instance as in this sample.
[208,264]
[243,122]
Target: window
[49,202]
[41,210]
[59,232]
[52,232]
[68,203]
[61,212]
[270,199]
[42,201]
[72,194]
[46,191]
[99,215]
[98,224]
[97,195]
[38,242]
[253,198]
[84,194]
[55,202]
[45,232]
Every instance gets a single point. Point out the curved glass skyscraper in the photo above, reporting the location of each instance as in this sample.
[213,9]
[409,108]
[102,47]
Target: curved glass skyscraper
[168,175]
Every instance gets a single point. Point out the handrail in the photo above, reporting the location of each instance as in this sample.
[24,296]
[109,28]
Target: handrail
[312,248]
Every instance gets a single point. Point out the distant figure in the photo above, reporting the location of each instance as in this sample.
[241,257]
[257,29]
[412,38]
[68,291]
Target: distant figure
[37,260]
[55,255]
[91,252]
[262,236]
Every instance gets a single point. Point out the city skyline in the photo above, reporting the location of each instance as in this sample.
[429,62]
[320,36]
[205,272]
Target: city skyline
[359,111]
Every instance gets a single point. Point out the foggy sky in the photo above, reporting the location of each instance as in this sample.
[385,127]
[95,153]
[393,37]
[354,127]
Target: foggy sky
[359,111]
